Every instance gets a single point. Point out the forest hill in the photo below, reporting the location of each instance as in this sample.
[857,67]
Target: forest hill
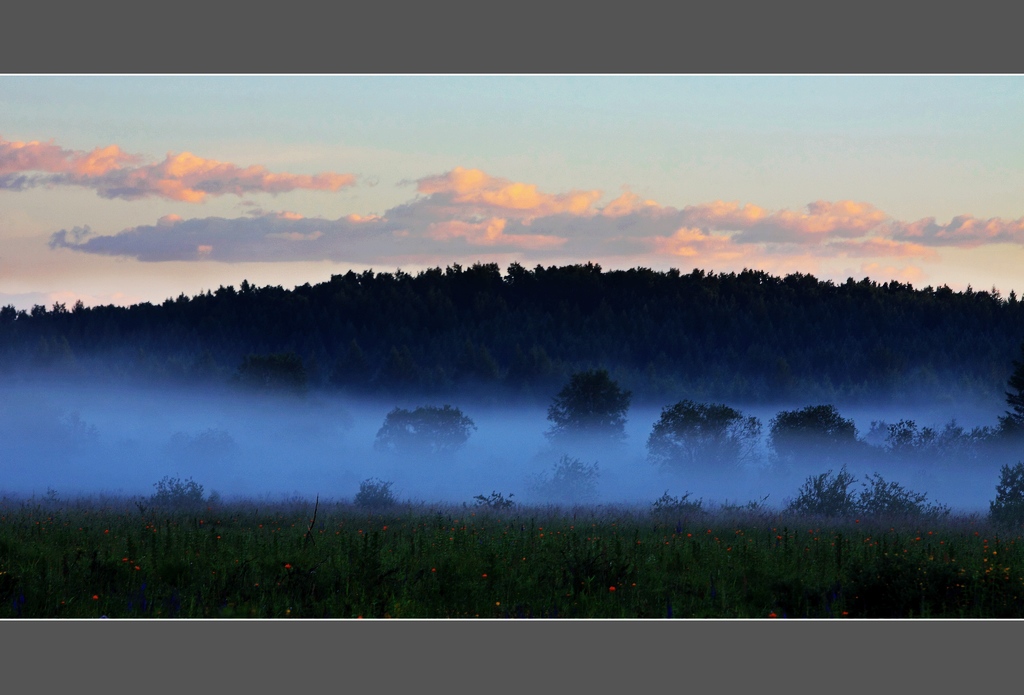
[747,336]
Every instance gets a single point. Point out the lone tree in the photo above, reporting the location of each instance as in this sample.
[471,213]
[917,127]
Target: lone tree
[1013,422]
[591,404]
[428,429]
[701,434]
[1008,506]
[817,431]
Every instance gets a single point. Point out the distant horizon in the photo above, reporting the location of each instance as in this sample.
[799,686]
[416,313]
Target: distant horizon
[21,306]
[128,189]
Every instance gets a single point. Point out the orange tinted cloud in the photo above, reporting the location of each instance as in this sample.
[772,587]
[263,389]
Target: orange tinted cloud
[472,187]
[720,214]
[844,218]
[490,233]
[627,204]
[21,157]
[690,242]
[965,231]
[114,174]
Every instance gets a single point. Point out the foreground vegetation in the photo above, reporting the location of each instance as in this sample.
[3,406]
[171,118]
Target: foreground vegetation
[491,559]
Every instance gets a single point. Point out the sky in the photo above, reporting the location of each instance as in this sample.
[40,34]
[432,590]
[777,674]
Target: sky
[127,189]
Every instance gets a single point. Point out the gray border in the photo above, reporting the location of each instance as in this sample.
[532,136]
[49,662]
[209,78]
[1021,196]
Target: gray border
[533,38]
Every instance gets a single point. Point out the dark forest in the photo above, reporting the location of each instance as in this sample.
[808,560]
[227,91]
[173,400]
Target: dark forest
[748,336]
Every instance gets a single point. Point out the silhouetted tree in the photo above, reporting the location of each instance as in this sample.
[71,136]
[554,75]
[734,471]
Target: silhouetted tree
[428,429]
[591,404]
[700,434]
[817,431]
[1008,506]
[1013,422]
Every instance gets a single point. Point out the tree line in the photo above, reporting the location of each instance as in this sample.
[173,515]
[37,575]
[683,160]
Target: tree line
[591,409]
[747,336]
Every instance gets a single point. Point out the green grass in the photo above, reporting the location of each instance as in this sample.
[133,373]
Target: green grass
[93,558]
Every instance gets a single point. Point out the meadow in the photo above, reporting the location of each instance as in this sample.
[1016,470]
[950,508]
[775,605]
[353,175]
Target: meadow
[125,558]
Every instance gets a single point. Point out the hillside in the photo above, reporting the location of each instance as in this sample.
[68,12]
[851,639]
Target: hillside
[746,336]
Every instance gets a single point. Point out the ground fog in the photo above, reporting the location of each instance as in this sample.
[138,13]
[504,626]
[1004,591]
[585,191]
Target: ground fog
[84,440]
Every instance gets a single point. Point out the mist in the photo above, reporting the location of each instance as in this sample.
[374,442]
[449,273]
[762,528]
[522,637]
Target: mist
[82,440]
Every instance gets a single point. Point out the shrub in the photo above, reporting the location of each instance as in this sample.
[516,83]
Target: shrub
[571,480]
[428,429]
[175,493]
[826,495]
[496,501]
[881,498]
[375,494]
[1008,506]
[667,504]
[751,506]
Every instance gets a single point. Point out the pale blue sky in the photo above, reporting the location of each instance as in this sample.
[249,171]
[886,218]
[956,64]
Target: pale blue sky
[910,147]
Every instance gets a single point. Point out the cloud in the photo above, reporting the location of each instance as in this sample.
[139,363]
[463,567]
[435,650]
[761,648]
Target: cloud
[476,190]
[963,231]
[821,220]
[466,212]
[690,242]
[491,233]
[18,157]
[113,173]
[269,237]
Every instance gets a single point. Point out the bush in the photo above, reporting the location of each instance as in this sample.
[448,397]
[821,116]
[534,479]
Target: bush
[175,493]
[375,494]
[698,434]
[881,498]
[667,504]
[428,429]
[826,495]
[1008,506]
[496,501]
[571,480]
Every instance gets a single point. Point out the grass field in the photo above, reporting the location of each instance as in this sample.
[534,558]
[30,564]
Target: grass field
[123,559]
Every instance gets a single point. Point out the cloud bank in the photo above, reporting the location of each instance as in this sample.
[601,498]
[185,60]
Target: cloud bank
[467,211]
[113,173]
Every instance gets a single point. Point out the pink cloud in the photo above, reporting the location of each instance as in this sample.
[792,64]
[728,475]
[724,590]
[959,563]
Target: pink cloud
[690,242]
[474,188]
[964,231]
[821,220]
[19,157]
[490,233]
[720,214]
[630,203]
[115,174]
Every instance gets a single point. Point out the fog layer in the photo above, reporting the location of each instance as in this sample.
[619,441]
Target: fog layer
[77,441]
